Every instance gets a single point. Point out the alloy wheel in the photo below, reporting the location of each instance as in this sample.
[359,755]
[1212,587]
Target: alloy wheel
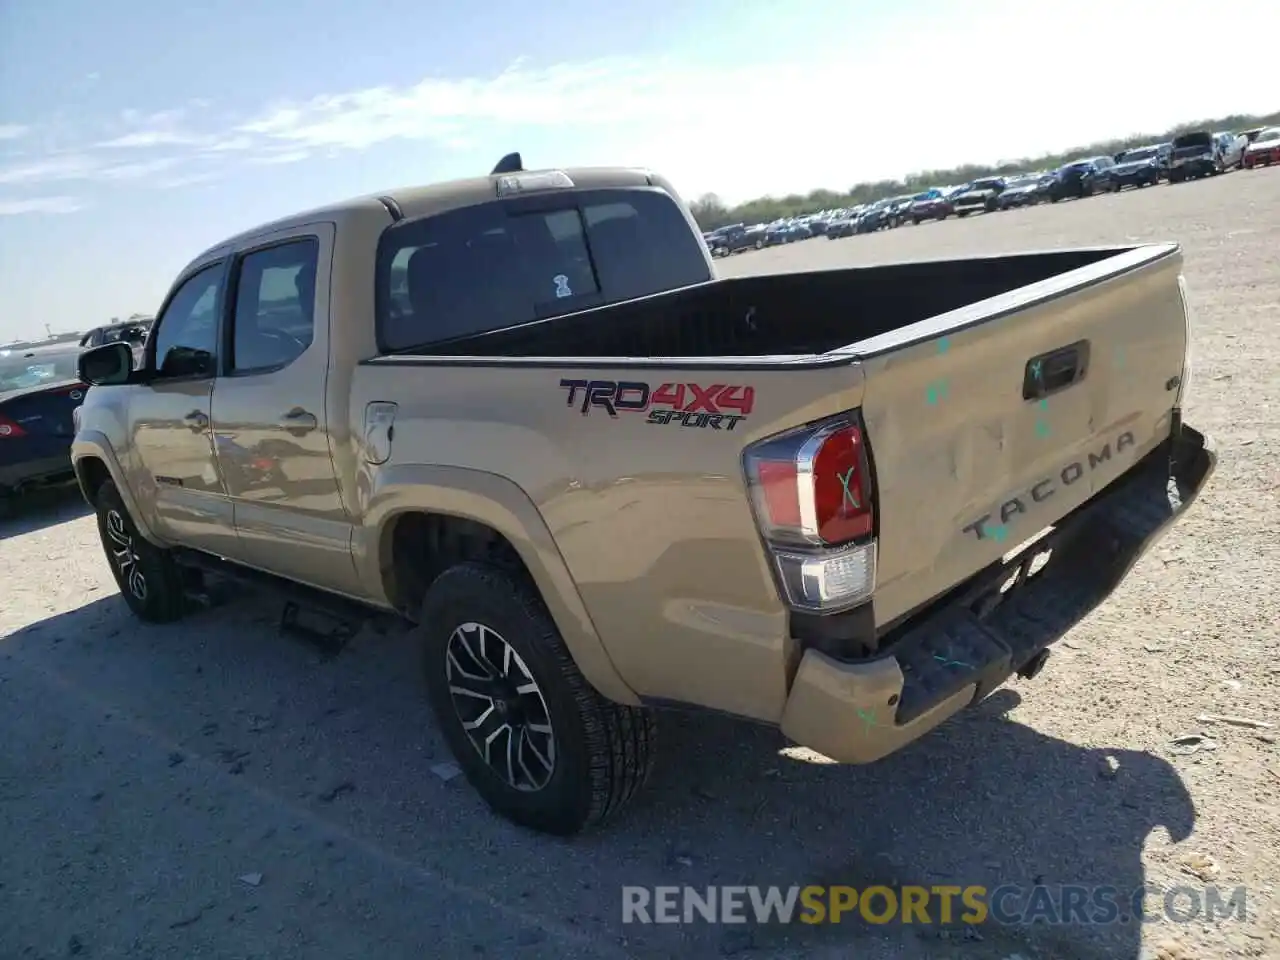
[500,706]
[124,556]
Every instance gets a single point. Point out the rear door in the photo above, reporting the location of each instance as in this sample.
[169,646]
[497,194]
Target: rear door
[270,419]
[995,420]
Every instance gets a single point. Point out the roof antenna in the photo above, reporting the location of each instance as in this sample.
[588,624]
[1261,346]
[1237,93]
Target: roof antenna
[511,163]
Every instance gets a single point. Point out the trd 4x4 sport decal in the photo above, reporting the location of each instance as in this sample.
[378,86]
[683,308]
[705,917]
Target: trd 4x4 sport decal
[718,406]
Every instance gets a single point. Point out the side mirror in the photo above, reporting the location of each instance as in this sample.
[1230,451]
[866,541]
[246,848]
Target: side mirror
[107,365]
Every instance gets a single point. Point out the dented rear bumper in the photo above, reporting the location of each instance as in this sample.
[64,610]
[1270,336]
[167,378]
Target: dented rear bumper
[967,644]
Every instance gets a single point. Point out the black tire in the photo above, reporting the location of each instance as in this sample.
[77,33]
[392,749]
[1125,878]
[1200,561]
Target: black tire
[149,579]
[601,752]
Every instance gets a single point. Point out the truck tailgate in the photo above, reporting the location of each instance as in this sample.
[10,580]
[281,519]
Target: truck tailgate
[992,422]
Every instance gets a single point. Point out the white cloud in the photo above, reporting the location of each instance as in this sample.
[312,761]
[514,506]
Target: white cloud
[150,138]
[287,156]
[83,166]
[51,205]
[186,180]
[13,131]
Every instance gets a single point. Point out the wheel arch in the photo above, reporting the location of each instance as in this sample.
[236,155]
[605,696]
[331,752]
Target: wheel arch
[94,461]
[421,519]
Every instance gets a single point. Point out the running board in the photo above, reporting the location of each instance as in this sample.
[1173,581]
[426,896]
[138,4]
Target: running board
[322,619]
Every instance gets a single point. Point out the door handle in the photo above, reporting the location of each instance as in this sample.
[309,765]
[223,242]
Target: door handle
[197,421]
[298,421]
[1055,370]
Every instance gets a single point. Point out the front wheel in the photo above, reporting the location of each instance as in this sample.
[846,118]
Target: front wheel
[148,577]
[532,736]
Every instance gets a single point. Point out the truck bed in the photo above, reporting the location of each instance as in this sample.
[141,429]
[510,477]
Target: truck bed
[780,315]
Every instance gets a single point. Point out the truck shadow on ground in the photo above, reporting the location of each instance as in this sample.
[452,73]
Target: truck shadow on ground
[34,510]
[983,801]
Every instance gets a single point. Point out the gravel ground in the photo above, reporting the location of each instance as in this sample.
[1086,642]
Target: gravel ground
[216,790]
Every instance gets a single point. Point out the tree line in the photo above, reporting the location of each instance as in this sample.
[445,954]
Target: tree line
[711,212]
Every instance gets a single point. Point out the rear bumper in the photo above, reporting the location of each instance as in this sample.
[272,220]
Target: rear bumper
[962,648]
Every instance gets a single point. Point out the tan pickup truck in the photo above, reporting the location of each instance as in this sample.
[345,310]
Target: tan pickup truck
[521,412]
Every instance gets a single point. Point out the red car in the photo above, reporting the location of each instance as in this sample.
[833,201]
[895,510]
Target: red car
[1265,149]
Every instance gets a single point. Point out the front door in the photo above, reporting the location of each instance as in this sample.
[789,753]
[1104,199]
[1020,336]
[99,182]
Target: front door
[175,474]
[270,422]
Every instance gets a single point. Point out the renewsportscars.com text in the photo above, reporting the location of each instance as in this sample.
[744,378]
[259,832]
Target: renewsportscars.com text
[938,904]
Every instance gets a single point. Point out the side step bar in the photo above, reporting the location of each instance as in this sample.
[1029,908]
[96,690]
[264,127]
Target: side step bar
[323,619]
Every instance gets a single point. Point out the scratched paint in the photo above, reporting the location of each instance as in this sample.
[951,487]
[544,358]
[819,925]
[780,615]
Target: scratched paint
[936,391]
[1042,424]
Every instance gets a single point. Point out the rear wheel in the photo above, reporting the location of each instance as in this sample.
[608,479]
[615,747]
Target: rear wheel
[148,577]
[533,737]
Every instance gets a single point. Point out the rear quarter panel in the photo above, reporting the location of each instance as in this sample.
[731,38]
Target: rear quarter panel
[652,520]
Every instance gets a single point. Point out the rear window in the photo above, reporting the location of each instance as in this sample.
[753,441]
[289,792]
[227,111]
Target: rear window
[1192,140]
[510,262]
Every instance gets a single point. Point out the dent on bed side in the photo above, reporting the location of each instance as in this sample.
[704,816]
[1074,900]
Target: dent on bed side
[501,505]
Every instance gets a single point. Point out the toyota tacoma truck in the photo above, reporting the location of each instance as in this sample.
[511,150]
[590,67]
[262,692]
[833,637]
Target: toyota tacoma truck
[522,413]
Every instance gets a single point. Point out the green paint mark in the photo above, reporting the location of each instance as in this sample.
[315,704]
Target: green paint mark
[1044,404]
[868,718]
[850,495]
[999,532]
[936,392]
[1042,429]
[944,344]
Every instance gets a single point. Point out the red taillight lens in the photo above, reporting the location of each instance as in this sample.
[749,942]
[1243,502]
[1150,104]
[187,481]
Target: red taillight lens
[813,498]
[779,493]
[813,485]
[9,429]
[841,487]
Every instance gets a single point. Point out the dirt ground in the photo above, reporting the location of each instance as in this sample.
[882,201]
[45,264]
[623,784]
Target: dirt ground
[215,789]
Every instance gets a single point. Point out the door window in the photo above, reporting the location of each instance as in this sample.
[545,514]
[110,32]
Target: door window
[274,320]
[186,334]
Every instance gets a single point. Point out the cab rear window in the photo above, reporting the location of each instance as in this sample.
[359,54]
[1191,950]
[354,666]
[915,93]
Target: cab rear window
[509,262]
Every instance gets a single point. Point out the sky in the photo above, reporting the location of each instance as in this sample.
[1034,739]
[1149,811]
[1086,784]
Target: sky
[134,134]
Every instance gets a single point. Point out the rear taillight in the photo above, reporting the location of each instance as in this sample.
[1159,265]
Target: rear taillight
[813,499]
[9,429]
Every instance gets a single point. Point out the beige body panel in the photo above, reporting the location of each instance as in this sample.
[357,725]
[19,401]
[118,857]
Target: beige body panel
[652,521]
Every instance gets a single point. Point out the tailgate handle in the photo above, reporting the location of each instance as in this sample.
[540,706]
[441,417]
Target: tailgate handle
[1056,370]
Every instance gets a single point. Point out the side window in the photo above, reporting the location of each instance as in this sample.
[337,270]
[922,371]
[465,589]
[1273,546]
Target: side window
[274,319]
[186,334]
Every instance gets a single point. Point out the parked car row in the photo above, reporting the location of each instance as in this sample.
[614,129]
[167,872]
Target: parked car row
[39,390]
[1189,156]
